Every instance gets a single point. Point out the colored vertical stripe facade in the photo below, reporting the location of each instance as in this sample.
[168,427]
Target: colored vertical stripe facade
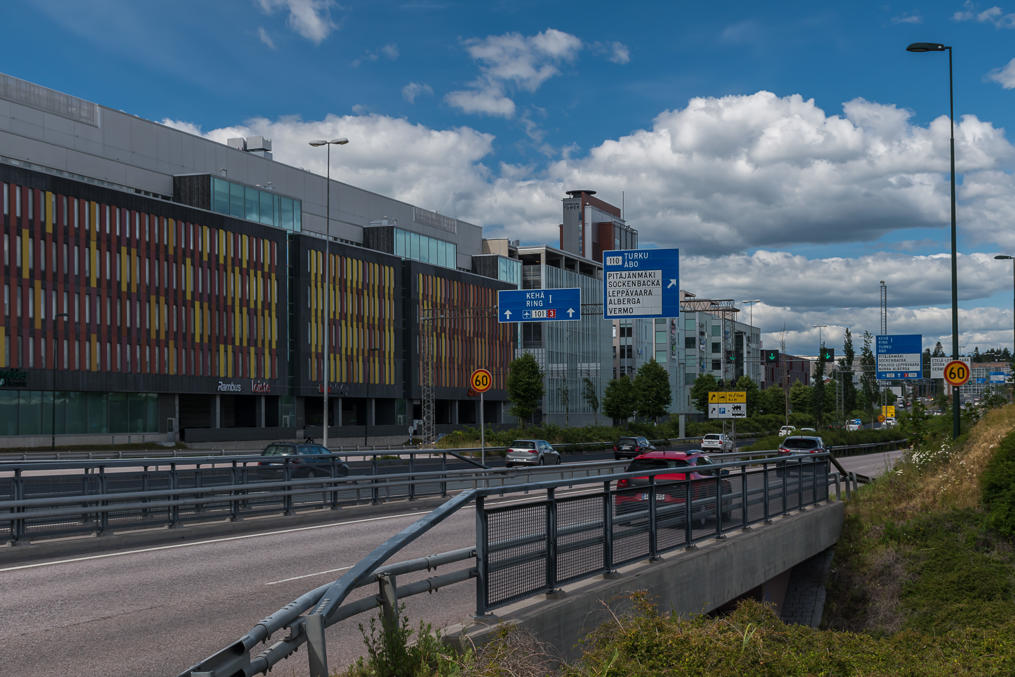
[464,330]
[91,286]
[360,319]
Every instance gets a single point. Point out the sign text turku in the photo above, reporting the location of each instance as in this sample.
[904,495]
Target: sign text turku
[641,283]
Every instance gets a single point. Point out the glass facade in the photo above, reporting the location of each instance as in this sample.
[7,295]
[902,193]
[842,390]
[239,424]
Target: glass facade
[425,249]
[254,204]
[31,412]
[509,270]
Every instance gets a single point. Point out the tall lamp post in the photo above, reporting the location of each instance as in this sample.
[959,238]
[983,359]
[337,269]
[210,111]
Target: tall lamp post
[937,47]
[1006,257]
[327,278]
[52,385]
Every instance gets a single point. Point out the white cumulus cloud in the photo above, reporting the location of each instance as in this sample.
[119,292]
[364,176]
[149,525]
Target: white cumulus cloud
[309,18]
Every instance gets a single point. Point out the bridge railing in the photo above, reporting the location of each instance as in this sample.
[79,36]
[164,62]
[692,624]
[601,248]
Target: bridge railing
[571,529]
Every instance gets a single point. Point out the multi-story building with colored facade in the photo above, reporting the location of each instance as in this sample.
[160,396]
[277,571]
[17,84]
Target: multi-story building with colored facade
[159,284]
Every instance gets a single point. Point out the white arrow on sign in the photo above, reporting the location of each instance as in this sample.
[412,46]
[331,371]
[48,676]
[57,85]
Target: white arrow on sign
[507,314]
[672,283]
[570,312]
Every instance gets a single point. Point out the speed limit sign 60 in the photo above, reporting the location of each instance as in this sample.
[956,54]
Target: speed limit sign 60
[956,372]
[481,380]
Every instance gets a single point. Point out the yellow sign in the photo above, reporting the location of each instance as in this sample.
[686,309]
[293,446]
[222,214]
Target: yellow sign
[729,397]
[481,380]
[888,411]
[881,418]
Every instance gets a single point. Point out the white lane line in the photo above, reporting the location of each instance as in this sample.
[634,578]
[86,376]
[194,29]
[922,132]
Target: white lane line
[206,542]
[316,573]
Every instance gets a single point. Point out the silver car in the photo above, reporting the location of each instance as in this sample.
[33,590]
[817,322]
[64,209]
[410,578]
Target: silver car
[716,442]
[531,452]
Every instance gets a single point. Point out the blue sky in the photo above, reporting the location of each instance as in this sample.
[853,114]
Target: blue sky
[793,151]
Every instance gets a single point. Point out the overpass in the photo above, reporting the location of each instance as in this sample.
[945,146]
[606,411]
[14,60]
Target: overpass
[780,562]
[549,562]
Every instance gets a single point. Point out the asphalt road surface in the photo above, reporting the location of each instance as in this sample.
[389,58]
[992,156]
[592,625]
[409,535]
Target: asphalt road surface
[156,611]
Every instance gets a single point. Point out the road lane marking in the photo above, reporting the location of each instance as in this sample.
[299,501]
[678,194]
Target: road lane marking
[207,541]
[317,573]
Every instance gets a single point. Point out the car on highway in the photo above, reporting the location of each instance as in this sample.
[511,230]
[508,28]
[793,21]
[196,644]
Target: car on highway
[303,458]
[531,452]
[716,442]
[801,444]
[786,430]
[684,472]
[890,422]
[854,424]
[629,447]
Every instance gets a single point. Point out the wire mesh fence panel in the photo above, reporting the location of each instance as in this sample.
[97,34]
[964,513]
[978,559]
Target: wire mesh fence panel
[580,537]
[630,525]
[516,552]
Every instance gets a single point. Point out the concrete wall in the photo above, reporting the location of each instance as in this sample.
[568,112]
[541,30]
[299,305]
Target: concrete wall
[688,582]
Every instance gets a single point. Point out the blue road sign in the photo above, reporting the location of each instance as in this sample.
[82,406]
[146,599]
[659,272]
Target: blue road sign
[899,356]
[641,283]
[539,305]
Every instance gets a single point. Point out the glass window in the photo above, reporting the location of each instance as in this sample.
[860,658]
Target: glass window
[97,408]
[118,402]
[235,200]
[690,342]
[716,330]
[9,410]
[716,347]
[219,195]
[690,324]
[286,211]
[267,213]
[297,215]
[251,203]
[30,412]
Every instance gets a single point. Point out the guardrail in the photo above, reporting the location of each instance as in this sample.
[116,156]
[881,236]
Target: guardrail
[116,494]
[126,454]
[532,548]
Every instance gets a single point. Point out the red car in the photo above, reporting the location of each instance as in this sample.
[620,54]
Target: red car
[671,487]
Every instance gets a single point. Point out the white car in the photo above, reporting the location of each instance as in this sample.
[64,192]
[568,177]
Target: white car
[716,442]
[853,425]
[786,430]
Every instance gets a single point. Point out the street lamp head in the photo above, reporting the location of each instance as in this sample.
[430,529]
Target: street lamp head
[926,47]
[341,141]
[1004,257]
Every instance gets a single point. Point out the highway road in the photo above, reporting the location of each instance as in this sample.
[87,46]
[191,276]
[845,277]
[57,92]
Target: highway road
[156,611]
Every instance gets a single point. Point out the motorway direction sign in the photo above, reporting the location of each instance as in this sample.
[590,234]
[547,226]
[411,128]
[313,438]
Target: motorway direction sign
[641,283]
[899,356]
[539,305]
[728,397]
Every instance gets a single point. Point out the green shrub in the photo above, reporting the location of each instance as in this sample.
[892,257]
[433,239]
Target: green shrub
[997,487]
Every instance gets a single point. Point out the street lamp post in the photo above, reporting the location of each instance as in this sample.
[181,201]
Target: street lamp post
[1006,257]
[937,47]
[325,315]
[52,385]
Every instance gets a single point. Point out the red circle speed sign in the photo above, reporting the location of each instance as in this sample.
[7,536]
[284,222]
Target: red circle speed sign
[481,380]
[956,372]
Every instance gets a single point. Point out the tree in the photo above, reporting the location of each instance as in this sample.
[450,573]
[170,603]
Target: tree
[525,387]
[591,397]
[772,400]
[651,391]
[869,381]
[848,389]
[818,393]
[618,400]
[753,394]
[703,385]
[938,350]
[800,397]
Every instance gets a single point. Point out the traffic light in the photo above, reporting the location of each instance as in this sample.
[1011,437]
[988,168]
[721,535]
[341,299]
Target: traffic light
[828,354]
[772,357]
[731,356]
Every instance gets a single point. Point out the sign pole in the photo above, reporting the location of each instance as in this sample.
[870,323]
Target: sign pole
[482,431]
